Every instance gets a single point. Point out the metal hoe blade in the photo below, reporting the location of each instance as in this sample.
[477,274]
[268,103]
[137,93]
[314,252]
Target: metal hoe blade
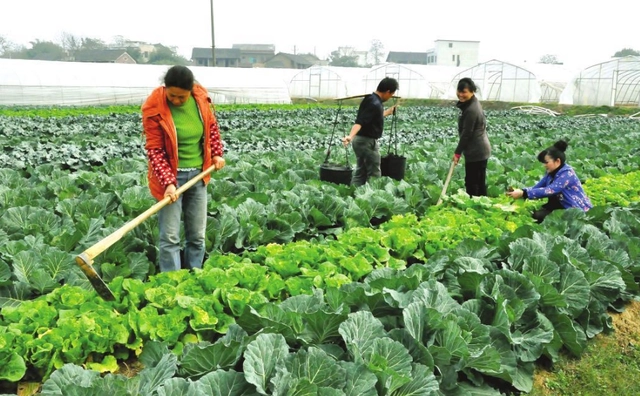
[84,262]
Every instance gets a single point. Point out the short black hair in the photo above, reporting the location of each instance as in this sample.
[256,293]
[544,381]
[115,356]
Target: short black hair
[466,83]
[555,152]
[388,84]
[180,77]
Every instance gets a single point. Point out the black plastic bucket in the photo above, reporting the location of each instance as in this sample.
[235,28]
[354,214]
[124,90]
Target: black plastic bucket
[334,173]
[393,166]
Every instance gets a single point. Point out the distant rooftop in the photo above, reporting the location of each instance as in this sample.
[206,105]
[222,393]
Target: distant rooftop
[221,53]
[307,60]
[407,57]
[466,41]
[98,55]
[255,47]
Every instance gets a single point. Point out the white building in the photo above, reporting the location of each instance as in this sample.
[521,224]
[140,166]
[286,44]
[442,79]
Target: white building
[458,53]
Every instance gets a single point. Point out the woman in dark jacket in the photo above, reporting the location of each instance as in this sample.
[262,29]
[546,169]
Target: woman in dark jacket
[560,184]
[474,143]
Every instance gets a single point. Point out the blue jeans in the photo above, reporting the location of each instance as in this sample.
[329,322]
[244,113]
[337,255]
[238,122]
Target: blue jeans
[192,205]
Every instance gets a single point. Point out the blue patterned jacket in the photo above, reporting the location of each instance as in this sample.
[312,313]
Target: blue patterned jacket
[566,185]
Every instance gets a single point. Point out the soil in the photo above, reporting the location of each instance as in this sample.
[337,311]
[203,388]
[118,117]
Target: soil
[627,325]
[626,335]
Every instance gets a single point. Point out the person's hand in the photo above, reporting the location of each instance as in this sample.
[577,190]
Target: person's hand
[346,140]
[390,110]
[170,192]
[219,162]
[517,193]
[456,158]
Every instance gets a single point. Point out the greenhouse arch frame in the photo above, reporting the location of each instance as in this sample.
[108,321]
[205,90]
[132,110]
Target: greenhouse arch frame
[412,83]
[327,82]
[615,82]
[501,82]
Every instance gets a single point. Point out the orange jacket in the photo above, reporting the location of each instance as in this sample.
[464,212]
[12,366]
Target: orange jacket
[161,138]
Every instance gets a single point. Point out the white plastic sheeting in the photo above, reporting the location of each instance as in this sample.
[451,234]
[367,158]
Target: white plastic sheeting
[500,81]
[612,83]
[30,82]
[552,79]
[416,81]
[327,82]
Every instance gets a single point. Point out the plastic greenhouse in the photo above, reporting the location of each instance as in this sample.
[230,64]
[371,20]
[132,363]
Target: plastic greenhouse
[416,81]
[552,79]
[327,82]
[612,83]
[500,81]
[30,82]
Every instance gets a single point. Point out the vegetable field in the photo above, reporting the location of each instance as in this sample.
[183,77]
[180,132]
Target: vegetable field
[310,288]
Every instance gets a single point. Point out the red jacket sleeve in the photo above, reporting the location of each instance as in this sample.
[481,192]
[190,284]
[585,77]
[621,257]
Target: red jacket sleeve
[215,140]
[159,161]
[156,152]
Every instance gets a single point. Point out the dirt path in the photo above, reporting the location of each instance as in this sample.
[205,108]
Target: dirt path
[624,341]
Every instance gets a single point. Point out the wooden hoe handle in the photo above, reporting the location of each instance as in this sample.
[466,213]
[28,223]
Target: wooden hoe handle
[446,183]
[85,259]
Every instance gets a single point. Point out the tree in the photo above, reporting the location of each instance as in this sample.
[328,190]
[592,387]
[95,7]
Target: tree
[5,45]
[338,58]
[45,50]
[626,52]
[376,52]
[15,52]
[88,43]
[119,41]
[11,50]
[550,59]
[166,56]
[70,42]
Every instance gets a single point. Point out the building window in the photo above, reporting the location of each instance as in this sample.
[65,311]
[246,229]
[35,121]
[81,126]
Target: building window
[450,45]
[453,58]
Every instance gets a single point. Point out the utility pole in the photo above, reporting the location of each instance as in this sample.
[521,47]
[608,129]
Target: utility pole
[213,40]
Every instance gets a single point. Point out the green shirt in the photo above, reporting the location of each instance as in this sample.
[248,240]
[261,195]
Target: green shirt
[190,129]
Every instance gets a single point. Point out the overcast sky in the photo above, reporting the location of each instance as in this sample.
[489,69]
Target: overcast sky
[577,33]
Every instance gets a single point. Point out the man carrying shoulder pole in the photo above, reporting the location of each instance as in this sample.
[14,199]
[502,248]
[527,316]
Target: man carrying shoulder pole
[367,129]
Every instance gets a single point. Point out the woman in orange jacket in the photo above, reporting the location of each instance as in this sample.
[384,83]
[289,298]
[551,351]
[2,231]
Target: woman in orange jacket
[182,140]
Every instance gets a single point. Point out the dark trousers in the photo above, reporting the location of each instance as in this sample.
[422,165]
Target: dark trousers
[475,178]
[552,204]
[367,153]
